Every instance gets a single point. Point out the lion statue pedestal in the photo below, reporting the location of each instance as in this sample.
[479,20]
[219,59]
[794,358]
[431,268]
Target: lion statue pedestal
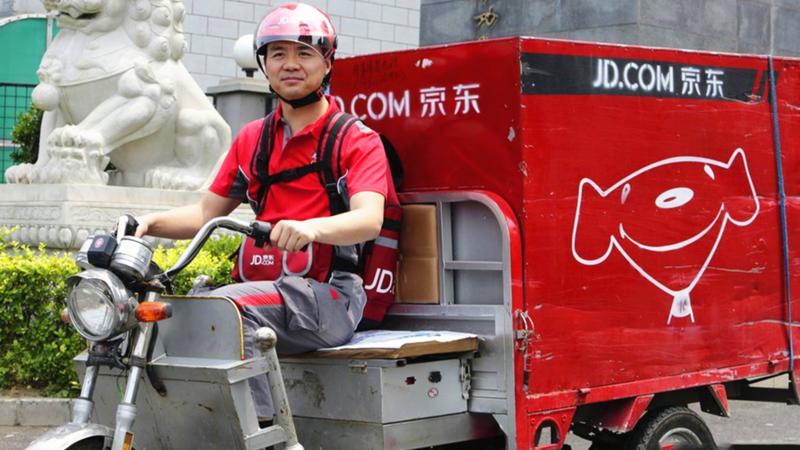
[114,91]
[63,216]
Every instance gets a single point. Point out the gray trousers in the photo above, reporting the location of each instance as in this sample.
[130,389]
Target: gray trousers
[305,314]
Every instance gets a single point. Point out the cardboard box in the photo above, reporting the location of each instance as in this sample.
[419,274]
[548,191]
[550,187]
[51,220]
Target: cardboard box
[418,271]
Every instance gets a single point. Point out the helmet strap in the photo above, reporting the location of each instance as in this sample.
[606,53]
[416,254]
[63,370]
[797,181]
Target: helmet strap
[309,99]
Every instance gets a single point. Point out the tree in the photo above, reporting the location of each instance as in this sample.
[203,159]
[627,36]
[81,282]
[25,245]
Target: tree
[26,134]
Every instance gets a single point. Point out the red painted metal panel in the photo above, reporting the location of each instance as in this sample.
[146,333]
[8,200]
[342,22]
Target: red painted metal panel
[622,415]
[656,214]
[720,396]
[643,182]
[448,110]
[558,421]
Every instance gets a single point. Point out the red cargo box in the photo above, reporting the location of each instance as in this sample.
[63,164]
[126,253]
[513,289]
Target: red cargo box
[644,185]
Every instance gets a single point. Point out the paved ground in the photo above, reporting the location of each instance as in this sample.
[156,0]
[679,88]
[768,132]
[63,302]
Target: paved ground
[16,438]
[752,426]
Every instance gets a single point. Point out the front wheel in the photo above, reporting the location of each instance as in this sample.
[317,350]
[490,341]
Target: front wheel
[92,443]
[672,428]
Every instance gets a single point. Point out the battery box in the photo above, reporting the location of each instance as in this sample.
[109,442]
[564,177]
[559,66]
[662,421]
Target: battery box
[375,390]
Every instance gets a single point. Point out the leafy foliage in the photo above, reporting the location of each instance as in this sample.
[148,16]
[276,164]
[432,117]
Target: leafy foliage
[26,134]
[214,261]
[36,348]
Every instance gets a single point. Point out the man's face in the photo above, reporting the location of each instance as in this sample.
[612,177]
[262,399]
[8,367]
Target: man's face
[294,70]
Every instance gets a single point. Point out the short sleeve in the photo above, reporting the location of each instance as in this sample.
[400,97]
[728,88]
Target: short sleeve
[230,181]
[365,161]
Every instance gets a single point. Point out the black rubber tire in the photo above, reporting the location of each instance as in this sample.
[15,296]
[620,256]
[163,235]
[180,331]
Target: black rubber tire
[607,441]
[598,445]
[675,421]
[92,443]
[496,443]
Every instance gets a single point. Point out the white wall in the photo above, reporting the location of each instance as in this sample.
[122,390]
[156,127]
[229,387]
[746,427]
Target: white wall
[364,26]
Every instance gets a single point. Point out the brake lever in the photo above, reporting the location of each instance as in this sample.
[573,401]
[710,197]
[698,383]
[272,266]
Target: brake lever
[260,233]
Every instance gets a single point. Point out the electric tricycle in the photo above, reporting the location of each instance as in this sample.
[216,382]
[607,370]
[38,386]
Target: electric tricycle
[613,223]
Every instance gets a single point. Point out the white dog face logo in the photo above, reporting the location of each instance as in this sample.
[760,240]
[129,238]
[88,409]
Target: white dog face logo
[666,219]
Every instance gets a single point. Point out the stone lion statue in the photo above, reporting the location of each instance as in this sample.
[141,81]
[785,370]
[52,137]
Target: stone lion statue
[114,90]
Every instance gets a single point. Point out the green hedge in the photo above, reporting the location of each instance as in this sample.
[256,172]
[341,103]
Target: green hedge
[214,261]
[36,348]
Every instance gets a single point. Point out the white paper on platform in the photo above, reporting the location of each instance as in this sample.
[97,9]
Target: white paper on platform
[393,339]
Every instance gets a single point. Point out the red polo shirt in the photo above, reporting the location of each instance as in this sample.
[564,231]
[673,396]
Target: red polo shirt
[363,160]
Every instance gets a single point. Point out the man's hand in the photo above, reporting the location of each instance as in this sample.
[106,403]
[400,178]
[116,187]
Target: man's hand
[292,235]
[186,221]
[144,225]
[141,227]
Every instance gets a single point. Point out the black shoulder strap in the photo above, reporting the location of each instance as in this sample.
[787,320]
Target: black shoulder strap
[336,131]
[341,143]
[395,165]
[259,163]
[335,128]
[263,151]
[337,199]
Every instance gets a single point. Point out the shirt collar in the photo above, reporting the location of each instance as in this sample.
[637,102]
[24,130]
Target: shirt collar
[315,129]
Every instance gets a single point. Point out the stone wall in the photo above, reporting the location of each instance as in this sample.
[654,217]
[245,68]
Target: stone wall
[364,26]
[743,26]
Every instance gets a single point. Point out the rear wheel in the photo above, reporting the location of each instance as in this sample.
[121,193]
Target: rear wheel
[602,445]
[605,440]
[673,428]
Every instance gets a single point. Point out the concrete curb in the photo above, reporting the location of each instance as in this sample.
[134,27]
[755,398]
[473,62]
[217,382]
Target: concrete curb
[34,412]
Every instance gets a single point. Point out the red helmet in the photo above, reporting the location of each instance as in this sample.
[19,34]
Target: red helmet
[296,22]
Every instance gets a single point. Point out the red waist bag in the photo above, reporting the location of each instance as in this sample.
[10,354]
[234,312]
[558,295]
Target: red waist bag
[268,263]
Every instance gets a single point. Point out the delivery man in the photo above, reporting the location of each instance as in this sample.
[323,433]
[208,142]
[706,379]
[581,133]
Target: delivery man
[273,165]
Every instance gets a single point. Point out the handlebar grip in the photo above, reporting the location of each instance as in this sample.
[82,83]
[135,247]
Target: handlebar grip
[126,226]
[260,233]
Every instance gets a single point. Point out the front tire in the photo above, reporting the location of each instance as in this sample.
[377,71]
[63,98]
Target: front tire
[675,427]
[92,443]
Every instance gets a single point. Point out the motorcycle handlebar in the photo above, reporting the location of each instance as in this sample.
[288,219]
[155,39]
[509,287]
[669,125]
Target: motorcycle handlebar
[259,231]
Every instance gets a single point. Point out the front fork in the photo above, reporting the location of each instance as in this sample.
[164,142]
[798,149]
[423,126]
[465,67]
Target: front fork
[83,405]
[126,410]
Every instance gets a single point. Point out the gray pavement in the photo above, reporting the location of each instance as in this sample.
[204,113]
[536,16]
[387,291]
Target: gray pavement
[753,425]
[16,438]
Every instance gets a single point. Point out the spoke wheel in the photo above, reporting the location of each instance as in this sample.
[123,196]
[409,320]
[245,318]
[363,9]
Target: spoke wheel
[672,428]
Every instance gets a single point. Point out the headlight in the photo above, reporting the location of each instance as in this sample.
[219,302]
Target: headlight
[99,305]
